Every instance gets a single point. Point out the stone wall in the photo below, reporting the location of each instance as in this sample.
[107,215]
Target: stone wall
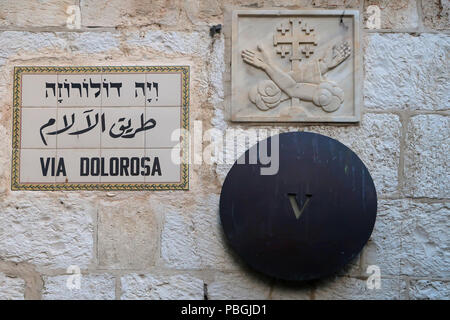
[169,245]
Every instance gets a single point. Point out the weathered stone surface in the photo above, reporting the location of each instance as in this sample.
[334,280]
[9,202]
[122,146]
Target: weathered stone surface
[193,238]
[427,157]
[429,290]
[111,13]
[395,14]
[435,14]
[125,228]
[404,71]
[384,248]
[150,287]
[425,239]
[48,230]
[238,287]
[343,288]
[27,45]
[172,42]
[203,12]
[290,3]
[333,4]
[23,13]
[92,42]
[11,288]
[92,287]
[15,43]
[410,238]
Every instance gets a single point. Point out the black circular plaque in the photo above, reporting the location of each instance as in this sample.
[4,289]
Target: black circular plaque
[307,220]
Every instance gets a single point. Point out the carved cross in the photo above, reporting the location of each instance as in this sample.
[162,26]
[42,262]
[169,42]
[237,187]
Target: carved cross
[283,51]
[296,38]
[307,50]
[307,29]
[283,28]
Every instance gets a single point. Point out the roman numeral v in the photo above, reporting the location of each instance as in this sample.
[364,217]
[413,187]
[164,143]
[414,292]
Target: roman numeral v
[294,204]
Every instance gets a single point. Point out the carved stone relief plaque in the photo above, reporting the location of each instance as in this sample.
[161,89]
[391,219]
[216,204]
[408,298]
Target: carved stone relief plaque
[295,66]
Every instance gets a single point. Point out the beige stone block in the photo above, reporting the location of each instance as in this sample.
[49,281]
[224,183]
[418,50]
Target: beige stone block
[92,287]
[429,290]
[111,13]
[344,288]
[128,235]
[154,287]
[202,12]
[11,288]
[427,157]
[25,13]
[400,14]
[238,286]
[435,14]
[48,230]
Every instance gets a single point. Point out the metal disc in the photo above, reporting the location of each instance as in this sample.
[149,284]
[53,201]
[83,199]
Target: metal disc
[310,218]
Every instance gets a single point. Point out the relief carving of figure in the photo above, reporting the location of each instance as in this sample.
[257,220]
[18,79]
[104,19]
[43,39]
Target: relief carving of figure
[306,80]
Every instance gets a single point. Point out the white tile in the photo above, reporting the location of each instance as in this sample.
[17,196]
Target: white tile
[123,166]
[38,165]
[79,90]
[127,85]
[168,170]
[123,127]
[36,124]
[77,120]
[163,89]
[35,93]
[168,122]
[82,165]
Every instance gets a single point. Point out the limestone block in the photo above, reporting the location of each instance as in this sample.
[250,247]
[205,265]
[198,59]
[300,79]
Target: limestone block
[92,287]
[111,13]
[128,234]
[427,157]
[31,14]
[47,230]
[238,287]
[429,290]
[343,288]
[407,72]
[435,14]
[394,14]
[11,288]
[152,287]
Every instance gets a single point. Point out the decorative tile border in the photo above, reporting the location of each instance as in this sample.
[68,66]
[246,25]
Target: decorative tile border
[17,103]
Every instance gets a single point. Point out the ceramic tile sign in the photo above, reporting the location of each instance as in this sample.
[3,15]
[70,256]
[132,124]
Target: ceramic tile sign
[100,128]
[295,66]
